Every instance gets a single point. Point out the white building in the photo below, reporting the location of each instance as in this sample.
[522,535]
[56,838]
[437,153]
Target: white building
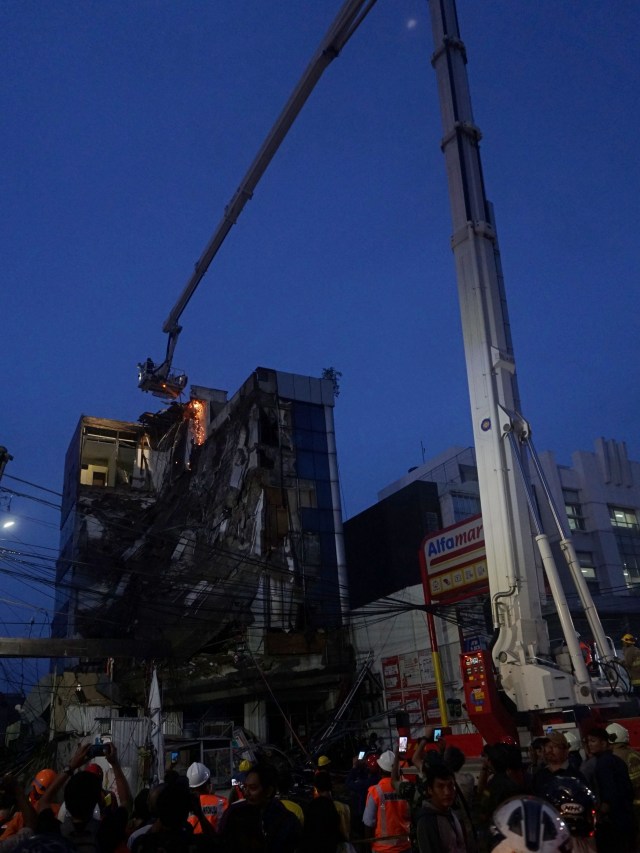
[598,497]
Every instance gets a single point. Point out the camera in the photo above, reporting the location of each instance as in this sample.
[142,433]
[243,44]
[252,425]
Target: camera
[95,750]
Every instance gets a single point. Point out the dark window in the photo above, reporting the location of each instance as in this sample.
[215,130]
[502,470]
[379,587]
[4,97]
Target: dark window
[312,466]
[316,520]
[323,495]
[573,508]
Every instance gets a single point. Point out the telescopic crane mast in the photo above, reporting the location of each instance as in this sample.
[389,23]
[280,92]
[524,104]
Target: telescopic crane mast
[502,437]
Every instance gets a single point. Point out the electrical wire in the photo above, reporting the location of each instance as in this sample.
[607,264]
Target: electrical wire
[34,485]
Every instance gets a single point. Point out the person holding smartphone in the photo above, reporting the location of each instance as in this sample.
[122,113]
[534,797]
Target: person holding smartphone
[387,816]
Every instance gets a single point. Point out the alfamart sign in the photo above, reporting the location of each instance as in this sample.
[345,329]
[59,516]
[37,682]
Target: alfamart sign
[455,562]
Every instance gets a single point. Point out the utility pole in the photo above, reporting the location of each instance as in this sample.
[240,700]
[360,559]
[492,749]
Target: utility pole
[5,457]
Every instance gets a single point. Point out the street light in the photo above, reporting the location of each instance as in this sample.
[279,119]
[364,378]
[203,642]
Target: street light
[7,524]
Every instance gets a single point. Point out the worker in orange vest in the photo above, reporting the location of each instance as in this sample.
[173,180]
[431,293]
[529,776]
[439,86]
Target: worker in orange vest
[13,822]
[386,814]
[213,806]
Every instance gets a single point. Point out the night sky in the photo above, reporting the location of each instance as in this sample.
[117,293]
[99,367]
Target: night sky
[127,128]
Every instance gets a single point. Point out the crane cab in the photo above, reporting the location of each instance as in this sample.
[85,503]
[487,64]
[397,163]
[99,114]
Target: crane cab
[159,381]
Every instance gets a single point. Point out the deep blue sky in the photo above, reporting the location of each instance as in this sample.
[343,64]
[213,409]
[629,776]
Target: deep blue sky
[127,127]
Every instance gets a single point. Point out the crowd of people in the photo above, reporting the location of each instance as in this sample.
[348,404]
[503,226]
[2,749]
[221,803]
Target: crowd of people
[568,795]
[592,785]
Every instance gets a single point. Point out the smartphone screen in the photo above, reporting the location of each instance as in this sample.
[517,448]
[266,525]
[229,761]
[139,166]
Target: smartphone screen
[361,755]
[437,734]
[402,743]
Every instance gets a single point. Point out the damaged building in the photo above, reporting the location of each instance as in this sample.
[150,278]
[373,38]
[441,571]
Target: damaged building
[214,528]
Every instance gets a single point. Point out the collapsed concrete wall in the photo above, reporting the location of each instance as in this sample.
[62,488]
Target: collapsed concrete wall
[219,543]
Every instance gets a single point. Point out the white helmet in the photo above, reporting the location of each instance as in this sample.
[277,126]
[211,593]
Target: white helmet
[530,825]
[197,774]
[573,740]
[385,762]
[617,733]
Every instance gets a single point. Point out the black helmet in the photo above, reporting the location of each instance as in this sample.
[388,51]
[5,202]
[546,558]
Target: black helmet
[575,802]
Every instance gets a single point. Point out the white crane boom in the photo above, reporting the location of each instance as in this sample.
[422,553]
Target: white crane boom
[158,379]
[521,649]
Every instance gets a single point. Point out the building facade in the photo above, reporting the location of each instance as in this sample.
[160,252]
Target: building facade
[598,497]
[214,527]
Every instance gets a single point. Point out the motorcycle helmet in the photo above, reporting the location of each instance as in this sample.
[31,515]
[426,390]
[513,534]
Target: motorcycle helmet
[575,802]
[530,825]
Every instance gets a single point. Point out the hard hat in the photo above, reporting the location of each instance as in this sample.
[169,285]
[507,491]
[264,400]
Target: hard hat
[628,638]
[323,761]
[530,825]
[371,761]
[573,740]
[197,774]
[244,765]
[385,762]
[43,779]
[575,803]
[617,733]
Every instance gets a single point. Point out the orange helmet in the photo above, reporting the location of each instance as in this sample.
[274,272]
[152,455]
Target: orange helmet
[41,782]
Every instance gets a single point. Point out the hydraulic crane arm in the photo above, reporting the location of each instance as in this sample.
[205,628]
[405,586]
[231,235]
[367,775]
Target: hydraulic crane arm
[521,650]
[158,379]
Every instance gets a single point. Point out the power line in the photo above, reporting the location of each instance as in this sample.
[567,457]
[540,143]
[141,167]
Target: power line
[35,485]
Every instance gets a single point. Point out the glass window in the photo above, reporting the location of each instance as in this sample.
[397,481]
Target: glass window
[464,505]
[305,467]
[301,416]
[304,439]
[588,569]
[318,421]
[621,517]
[629,549]
[631,571]
[323,494]
[316,520]
[573,508]
[468,473]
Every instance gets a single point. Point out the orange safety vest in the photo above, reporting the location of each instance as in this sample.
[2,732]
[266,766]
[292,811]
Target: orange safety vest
[213,807]
[392,817]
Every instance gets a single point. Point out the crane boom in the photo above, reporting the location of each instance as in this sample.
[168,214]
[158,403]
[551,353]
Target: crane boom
[521,650]
[501,436]
[158,379]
